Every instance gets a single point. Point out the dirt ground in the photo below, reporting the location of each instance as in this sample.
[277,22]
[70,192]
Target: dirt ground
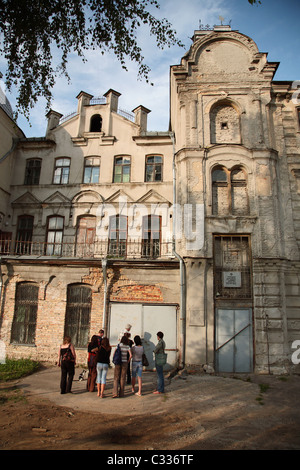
[197,412]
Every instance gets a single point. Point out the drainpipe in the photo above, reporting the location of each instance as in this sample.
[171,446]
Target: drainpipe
[104,265]
[182,268]
[1,280]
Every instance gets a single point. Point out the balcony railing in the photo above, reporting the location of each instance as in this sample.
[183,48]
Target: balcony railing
[125,249]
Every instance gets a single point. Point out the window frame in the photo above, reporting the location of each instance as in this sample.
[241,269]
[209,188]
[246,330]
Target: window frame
[154,167]
[28,308]
[76,324]
[61,174]
[118,246]
[151,246]
[24,235]
[32,179]
[57,246]
[92,166]
[122,166]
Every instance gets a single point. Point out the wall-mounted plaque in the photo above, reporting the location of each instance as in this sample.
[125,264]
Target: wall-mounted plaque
[232,279]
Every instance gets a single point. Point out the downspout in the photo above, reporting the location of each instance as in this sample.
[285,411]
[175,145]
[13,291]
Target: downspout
[104,265]
[1,281]
[182,268]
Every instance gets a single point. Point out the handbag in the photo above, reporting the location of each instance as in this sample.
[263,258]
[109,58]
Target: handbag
[145,360]
[161,359]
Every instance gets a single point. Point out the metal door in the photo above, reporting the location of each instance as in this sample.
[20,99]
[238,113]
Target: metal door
[234,345]
[146,321]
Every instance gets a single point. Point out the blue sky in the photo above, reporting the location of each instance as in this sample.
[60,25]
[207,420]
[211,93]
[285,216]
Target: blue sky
[273,25]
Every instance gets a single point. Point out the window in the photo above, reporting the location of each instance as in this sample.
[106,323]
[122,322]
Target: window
[239,195]
[61,171]
[54,235]
[32,172]
[232,267]
[153,168]
[24,234]
[151,236]
[25,314]
[117,235]
[122,170]
[86,231]
[224,124]
[229,192]
[96,123]
[91,170]
[78,312]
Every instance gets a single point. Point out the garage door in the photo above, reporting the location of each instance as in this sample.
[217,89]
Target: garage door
[146,321]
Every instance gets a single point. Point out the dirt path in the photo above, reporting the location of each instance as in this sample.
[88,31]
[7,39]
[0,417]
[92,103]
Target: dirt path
[197,412]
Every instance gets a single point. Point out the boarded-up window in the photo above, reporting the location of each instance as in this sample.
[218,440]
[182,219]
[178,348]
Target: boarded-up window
[220,195]
[25,315]
[224,125]
[239,194]
[232,267]
[78,312]
[229,192]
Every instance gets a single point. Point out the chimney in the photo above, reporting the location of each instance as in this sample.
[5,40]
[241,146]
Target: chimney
[141,117]
[53,120]
[112,99]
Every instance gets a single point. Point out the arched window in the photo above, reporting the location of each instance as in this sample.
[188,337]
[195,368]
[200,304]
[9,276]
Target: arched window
[25,315]
[229,191]
[96,123]
[220,197]
[224,125]
[78,313]
[239,192]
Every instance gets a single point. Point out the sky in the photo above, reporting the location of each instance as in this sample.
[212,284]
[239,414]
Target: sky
[273,25]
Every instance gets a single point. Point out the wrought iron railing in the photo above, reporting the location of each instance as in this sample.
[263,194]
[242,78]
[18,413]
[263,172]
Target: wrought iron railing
[125,249]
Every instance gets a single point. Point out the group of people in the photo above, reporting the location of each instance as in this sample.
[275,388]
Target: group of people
[99,357]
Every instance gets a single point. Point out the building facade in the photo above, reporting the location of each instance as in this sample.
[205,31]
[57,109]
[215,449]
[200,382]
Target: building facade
[193,231]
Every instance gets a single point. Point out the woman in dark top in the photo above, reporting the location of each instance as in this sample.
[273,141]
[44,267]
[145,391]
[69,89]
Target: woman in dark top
[66,361]
[102,358]
[93,348]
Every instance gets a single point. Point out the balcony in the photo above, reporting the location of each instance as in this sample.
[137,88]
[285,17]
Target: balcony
[111,249]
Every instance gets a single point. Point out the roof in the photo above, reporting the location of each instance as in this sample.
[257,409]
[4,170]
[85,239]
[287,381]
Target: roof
[5,104]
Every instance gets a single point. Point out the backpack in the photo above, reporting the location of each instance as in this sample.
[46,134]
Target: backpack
[117,358]
[68,356]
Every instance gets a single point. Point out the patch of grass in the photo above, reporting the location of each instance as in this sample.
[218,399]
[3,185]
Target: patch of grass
[283,378]
[11,394]
[16,368]
[264,388]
